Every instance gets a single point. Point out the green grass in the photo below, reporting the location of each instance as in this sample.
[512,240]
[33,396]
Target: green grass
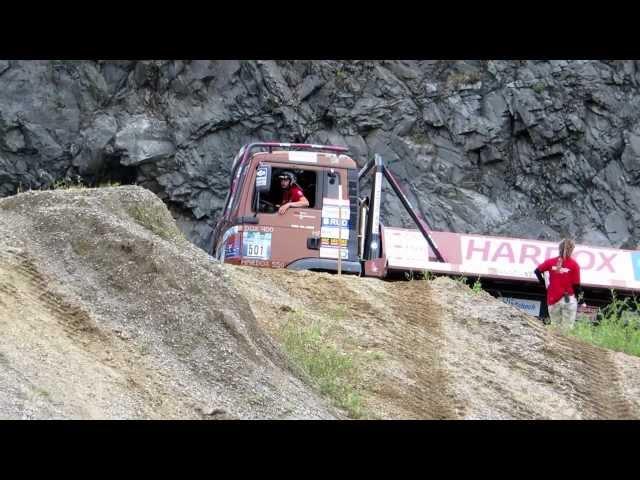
[618,327]
[42,393]
[333,372]
[376,355]
[108,183]
[477,286]
[460,279]
[153,218]
[339,312]
[68,183]
[428,276]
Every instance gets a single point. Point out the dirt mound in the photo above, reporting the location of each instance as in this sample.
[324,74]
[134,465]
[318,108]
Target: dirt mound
[107,312]
[443,351]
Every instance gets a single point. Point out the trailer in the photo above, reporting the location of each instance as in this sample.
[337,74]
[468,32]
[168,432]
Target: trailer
[341,231]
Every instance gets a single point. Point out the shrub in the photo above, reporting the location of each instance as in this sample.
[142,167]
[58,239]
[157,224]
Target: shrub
[331,371]
[617,327]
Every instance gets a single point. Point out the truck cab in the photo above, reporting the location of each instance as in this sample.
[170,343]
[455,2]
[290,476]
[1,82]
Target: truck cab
[251,230]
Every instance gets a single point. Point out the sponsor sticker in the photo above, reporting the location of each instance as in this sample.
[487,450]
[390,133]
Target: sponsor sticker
[333,242]
[335,228]
[335,232]
[261,177]
[531,307]
[335,222]
[257,245]
[332,252]
[231,243]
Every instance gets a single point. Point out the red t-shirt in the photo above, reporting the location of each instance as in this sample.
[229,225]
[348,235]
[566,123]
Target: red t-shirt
[294,194]
[561,277]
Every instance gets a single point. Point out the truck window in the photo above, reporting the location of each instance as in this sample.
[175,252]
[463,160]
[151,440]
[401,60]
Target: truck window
[307,180]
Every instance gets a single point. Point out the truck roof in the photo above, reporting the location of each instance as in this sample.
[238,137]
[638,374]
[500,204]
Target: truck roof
[321,159]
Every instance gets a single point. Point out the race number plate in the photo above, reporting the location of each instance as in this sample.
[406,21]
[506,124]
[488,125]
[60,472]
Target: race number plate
[257,245]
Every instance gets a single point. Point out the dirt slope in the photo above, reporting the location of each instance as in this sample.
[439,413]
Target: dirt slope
[446,352]
[107,312]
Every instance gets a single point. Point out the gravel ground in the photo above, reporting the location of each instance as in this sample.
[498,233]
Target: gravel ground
[435,349]
[107,312]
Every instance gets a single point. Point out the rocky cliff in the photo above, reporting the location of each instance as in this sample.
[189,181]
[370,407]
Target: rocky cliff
[535,149]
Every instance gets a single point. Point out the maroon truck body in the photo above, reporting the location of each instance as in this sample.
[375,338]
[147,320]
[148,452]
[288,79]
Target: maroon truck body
[298,239]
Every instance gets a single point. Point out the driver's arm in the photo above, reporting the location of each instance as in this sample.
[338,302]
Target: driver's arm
[302,202]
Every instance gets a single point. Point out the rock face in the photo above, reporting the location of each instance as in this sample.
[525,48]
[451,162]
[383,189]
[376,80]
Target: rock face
[534,149]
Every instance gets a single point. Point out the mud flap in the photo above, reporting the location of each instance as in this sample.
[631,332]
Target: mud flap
[376,267]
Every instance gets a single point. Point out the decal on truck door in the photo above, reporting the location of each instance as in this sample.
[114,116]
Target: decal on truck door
[230,243]
[257,245]
[334,232]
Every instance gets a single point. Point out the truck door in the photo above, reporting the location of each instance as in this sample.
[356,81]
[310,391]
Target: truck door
[339,215]
[277,240]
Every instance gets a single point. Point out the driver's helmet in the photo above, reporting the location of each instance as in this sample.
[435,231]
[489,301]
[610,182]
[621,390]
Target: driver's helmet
[287,174]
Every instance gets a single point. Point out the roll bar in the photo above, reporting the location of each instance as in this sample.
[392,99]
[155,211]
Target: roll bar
[372,244]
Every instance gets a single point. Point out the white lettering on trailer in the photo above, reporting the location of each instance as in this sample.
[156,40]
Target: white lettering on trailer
[477,255]
[515,257]
[304,157]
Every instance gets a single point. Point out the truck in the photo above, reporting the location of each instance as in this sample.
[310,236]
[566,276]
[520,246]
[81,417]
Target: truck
[341,231]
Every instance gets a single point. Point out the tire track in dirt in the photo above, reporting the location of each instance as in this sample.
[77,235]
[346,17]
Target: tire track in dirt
[431,396]
[601,391]
[448,352]
[72,319]
[503,364]
[397,320]
[26,288]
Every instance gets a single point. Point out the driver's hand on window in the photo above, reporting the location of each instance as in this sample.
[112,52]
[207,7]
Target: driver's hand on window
[282,210]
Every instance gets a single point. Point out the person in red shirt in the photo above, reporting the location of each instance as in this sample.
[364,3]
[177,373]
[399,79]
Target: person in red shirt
[564,285]
[292,194]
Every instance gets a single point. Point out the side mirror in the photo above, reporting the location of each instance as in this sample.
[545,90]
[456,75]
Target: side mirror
[263,178]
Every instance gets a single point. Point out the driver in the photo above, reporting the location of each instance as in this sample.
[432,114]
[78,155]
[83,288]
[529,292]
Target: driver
[292,194]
